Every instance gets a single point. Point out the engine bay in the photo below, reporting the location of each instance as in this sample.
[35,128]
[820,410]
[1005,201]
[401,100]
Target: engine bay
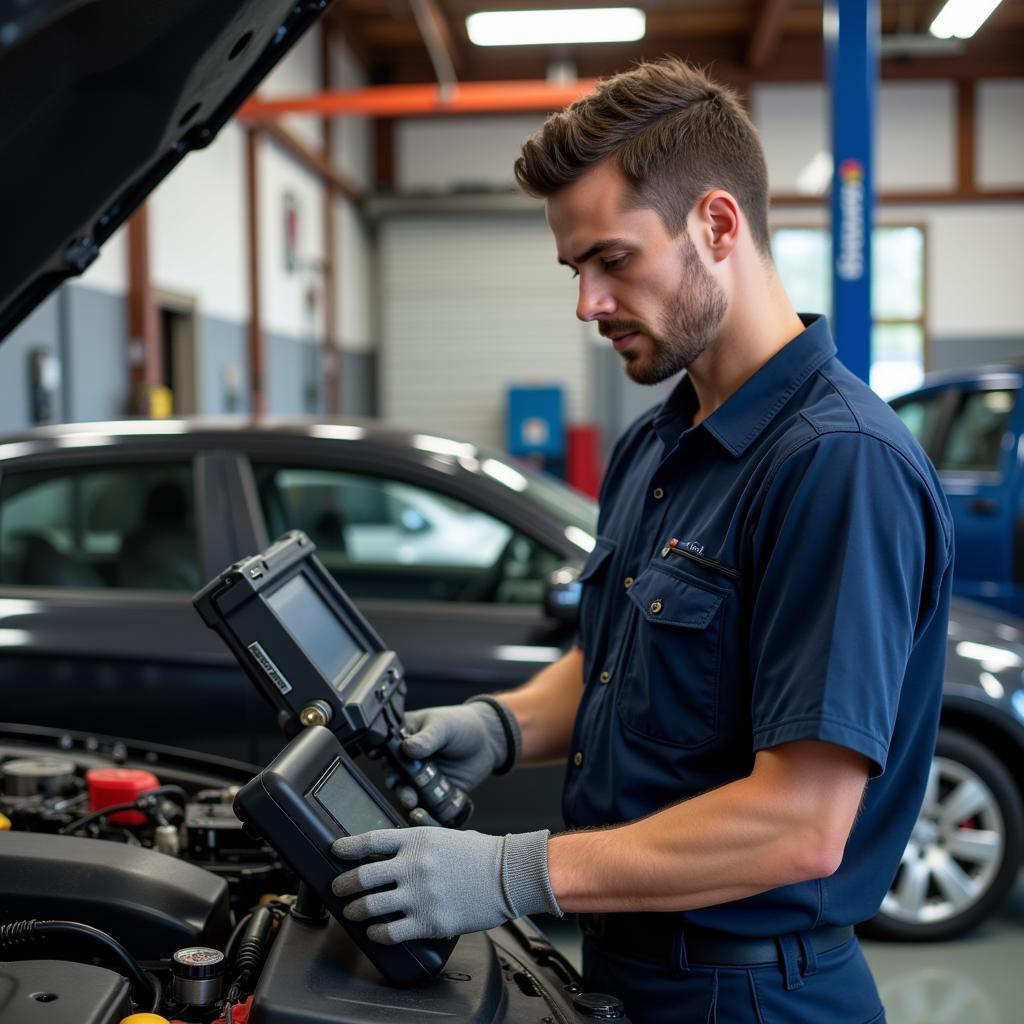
[200,922]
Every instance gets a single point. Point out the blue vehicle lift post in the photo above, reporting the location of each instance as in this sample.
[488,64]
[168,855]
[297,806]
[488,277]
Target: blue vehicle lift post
[851,31]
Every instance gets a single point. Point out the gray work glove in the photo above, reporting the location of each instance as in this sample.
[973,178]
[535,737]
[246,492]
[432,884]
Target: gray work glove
[467,742]
[445,882]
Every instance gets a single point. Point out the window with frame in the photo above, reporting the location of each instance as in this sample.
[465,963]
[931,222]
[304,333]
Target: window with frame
[392,540]
[803,256]
[974,443]
[129,526]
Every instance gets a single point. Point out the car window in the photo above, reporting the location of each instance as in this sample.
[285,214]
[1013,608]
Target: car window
[388,539]
[125,526]
[921,415]
[975,438]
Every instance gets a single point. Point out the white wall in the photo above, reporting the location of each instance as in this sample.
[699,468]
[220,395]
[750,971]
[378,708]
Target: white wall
[353,155]
[198,228]
[285,306]
[298,74]
[353,138]
[355,280]
[1000,137]
[447,152]
[915,137]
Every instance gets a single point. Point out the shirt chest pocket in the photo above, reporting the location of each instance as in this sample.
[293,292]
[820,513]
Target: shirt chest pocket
[669,676]
[594,595]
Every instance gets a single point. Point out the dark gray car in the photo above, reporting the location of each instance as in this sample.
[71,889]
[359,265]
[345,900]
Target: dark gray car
[107,529]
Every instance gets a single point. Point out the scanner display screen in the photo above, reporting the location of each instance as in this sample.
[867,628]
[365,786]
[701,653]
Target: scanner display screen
[347,803]
[325,641]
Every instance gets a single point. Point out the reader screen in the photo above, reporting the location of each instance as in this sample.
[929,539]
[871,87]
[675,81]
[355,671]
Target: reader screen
[347,803]
[322,637]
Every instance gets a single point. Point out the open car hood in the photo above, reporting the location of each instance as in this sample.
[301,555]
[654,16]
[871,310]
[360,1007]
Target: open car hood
[100,100]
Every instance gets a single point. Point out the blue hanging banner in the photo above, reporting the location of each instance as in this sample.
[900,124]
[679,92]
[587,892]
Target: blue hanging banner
[851,30]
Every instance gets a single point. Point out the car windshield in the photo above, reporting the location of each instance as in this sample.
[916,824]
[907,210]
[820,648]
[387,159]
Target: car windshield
[552,494]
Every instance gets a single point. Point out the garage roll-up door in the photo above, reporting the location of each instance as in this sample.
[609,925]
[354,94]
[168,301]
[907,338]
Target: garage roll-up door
[470,305]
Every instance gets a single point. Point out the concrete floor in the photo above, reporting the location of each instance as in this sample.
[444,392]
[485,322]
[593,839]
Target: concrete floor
[975,980]
[978,979]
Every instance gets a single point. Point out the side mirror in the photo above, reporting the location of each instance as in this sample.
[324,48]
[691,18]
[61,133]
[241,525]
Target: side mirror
[562,597]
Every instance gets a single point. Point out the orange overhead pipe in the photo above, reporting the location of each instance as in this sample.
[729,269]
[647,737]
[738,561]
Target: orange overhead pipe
[423,100]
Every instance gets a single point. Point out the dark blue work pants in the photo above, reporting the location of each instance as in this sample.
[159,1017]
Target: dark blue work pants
[828,988]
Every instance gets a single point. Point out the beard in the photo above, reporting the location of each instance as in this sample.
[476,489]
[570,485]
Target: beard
[687,325]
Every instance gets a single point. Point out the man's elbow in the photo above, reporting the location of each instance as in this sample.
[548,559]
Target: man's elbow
[817,853]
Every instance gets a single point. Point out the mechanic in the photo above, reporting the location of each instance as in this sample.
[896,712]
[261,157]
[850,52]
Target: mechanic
[750,714]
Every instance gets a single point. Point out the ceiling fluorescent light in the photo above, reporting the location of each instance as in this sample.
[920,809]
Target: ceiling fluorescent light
[961,18]
[524,28]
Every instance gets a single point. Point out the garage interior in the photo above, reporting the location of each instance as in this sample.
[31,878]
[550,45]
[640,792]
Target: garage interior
[351,252]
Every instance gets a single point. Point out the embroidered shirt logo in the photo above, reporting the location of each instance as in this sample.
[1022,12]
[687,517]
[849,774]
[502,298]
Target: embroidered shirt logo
[689,545]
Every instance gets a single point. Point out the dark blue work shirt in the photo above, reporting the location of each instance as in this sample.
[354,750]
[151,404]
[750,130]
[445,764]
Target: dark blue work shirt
[780,571]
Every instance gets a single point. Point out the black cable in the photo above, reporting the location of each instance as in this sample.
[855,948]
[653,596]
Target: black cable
[23,933]
[143,803]
[92,816]
[158,991]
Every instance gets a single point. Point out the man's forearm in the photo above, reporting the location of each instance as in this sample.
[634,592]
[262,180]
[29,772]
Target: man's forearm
[786,823]
[546,706]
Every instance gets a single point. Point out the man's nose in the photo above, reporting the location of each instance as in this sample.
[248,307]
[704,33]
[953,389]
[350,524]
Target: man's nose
[594,300]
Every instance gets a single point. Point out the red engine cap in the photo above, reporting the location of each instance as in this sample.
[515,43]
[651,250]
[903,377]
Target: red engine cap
[109,786]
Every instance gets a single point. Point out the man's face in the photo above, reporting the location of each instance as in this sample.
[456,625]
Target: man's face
[650,293]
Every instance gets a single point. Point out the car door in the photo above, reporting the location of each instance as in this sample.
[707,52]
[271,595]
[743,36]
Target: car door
[978,459]
[454,586]
[100,552]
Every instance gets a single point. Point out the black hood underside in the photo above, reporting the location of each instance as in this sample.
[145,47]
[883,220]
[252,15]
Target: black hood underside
[99,100]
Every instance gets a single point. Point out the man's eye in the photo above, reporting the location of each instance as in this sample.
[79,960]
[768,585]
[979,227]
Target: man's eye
[575,274]
[616,262]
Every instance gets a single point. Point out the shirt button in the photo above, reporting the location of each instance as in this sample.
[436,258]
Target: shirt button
[658,493]
[656,607]
[628,582]
[605,677]
[577,759]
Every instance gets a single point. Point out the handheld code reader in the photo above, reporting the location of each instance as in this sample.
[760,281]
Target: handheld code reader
[314,656]
[309,795]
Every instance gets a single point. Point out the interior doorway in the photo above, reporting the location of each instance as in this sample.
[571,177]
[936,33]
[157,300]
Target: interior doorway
[179,350]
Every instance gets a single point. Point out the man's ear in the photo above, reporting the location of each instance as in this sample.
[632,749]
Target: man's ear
[719,223]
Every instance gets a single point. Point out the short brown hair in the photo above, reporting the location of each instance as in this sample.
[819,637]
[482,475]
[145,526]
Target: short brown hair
[675,135]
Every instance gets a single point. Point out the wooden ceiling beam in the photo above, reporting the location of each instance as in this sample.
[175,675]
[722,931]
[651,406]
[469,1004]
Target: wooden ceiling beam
[768,28]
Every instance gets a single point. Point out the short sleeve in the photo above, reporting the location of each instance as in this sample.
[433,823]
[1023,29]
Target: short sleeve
[845,547]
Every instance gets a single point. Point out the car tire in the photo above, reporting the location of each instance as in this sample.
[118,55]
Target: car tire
[971,797]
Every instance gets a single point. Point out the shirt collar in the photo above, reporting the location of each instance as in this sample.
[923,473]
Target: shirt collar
[746,412]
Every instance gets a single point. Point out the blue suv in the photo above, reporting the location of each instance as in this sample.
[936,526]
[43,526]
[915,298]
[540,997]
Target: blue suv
[971,423]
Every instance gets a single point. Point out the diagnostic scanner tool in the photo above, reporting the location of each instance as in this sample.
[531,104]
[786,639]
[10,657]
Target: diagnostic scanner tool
[314,656]
[309,795]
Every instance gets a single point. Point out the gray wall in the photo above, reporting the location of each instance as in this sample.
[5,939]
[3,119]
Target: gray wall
[223,366]
[960,353]
[87,329]
[40,330]
[96,375]
[358,383]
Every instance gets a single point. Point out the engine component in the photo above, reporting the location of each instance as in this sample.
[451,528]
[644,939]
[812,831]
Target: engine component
[110,786]
[152,903]
[167,839]
[212,829]
[59,992]
[37,776]
[197,975]
[14,937]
